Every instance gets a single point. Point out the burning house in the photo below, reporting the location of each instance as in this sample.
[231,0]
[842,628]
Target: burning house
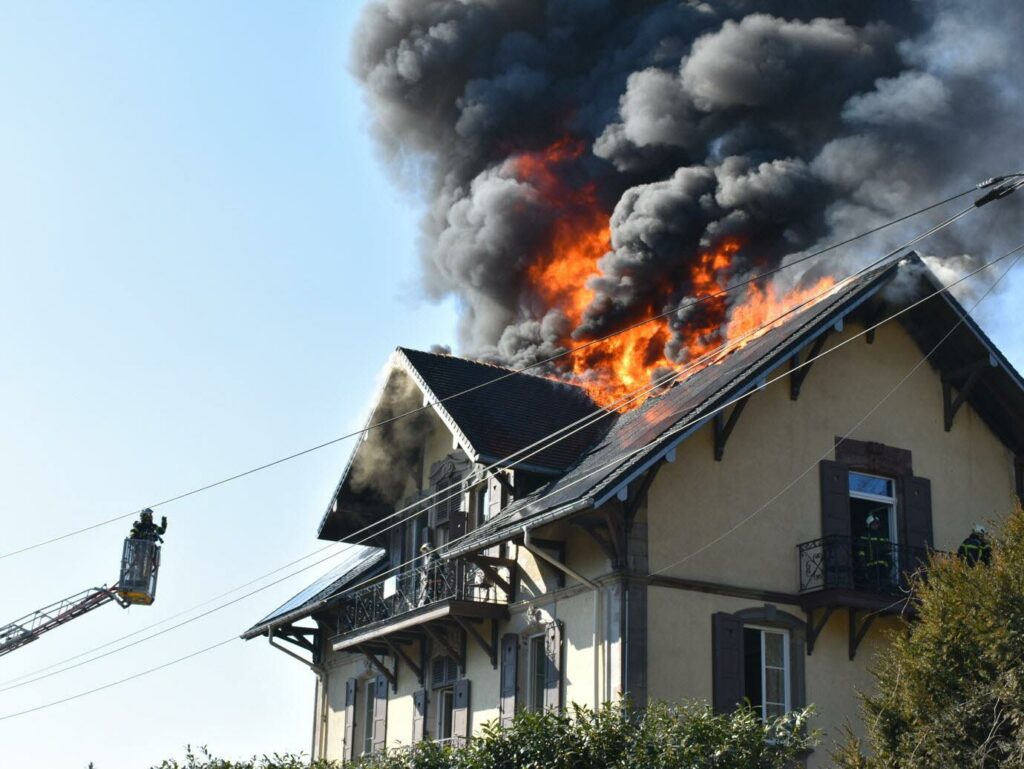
[671,508]
[704,544]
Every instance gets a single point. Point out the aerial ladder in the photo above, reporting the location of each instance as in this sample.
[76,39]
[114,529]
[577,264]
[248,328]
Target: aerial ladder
[140,563]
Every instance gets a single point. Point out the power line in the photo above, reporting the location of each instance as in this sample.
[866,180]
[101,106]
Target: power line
[417,508]
[631,453]
[686,305]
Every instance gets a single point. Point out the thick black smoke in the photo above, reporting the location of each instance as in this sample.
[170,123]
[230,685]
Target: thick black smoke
[787,124]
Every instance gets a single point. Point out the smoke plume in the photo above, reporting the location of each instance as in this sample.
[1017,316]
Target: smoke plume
[640,137]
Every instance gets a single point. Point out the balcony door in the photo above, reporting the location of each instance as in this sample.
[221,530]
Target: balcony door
[873,528]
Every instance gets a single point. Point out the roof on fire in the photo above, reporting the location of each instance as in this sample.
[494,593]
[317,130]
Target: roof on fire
[358,562]
[642,437]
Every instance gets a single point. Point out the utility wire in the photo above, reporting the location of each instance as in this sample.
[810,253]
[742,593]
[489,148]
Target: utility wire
[621,458]
[418,507]
[992,195]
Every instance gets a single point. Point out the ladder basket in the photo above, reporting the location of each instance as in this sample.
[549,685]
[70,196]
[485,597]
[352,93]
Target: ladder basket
[140,562]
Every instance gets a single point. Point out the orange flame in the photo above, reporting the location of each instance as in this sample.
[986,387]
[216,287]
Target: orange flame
[613,370]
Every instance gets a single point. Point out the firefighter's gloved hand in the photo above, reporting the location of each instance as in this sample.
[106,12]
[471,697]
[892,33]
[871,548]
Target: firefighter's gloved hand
[163,520]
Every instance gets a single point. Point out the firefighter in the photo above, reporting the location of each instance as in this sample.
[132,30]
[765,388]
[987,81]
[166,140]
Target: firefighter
[428,575]
[874,556]
[976,547]
[145,529]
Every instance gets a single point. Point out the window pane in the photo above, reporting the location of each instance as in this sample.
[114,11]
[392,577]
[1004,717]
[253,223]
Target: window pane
[775,685]
[774,710]
[773,649]
[868,484]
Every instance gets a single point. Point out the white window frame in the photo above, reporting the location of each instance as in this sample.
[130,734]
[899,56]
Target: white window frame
[533,696]
[889,500]
[370,693]
[787,669]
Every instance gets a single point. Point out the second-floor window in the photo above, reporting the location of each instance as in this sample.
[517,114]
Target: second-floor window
[766,670]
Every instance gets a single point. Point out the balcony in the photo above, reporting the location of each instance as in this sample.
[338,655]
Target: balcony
[403,607]
[867,577]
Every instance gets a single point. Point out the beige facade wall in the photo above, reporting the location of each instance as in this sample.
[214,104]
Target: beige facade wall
[738,522]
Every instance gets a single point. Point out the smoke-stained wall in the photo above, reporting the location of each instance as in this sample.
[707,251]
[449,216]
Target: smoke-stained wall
[678,126]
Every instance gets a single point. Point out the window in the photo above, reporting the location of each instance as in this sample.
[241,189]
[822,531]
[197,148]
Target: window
[872,495]
[538,669]
[766,670]
[368,701]
[445,699]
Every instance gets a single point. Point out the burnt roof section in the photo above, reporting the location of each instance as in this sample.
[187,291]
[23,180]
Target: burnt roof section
[508,414]
[640,438]
[362,562]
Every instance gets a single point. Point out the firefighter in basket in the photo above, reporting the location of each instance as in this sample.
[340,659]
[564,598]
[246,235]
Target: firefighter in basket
[144,528]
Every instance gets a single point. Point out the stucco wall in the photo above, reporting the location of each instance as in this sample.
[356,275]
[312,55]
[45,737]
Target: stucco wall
[778,442]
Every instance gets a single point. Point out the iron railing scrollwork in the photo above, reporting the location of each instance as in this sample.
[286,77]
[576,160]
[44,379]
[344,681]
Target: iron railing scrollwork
[429,583]
[858,563]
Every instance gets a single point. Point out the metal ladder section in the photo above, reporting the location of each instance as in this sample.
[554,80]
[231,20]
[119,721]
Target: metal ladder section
[33,625]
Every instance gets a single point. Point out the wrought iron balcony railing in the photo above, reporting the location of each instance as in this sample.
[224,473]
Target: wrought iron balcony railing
[855,563]
[432,582]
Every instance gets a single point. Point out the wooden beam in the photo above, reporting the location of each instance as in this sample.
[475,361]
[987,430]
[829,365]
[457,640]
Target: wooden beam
[950,405]
[814,628]
[442,640]
[724,427]
[472,632]
[797,375]
[486,566]
[380,666]
[858,631]
[398,652]
[600,538]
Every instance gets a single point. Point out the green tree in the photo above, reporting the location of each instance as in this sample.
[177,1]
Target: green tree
[950,692]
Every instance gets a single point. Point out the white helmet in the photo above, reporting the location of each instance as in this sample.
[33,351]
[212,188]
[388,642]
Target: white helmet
[871,519]
[979,529]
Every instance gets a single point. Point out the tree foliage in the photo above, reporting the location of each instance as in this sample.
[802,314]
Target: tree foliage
[951,691]
[612,737]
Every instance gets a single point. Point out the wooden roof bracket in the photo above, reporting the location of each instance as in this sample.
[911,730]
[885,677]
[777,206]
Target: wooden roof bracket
[799,370]
[380,667]
[442,640]
[963,379]
[398,653]
[491,647]
[859,630]
[814,628]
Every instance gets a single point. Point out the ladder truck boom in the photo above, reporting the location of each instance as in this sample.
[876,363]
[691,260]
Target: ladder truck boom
[31,626]
[140,563]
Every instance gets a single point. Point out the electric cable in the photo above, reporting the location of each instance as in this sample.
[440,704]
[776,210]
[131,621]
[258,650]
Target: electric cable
[1002,190]
[674,430]
[417,507]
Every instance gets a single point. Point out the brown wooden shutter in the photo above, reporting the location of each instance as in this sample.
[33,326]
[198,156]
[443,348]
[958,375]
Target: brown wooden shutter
[349,751]
[553,675]
[509,677]
[419,715]
[727,661]
[917,515]
[380,714]
[835,499]
[460,711]
[495,497]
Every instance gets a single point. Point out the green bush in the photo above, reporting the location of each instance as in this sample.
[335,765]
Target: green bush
[613,737]
[951,691]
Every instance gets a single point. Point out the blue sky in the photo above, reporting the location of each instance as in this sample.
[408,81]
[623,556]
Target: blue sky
[204,267]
